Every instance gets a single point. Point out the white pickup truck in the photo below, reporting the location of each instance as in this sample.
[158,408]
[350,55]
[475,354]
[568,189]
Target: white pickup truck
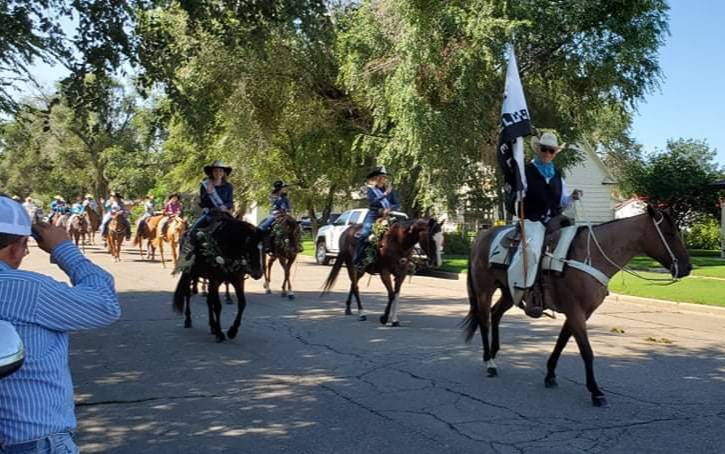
[327,242]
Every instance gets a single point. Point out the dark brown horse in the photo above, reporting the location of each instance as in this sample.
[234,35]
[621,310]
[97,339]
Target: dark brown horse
[78,229]
[577,294]
[238,242]
[393,261]
[116,232]
[284,244]
[94,222]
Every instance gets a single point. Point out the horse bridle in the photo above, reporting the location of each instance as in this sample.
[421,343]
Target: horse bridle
[667,246]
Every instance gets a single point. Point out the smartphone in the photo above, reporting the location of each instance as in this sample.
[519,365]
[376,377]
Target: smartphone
[35,233]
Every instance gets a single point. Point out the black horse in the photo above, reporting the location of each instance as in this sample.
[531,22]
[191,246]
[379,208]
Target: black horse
[239,246]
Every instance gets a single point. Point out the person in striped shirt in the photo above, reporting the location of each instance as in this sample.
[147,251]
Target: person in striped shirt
[36,402]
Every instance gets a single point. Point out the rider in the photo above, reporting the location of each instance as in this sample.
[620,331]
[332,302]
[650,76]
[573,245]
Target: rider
[279,199]
[113,205]
[215,193]
[172,209]
[89,201]
[546,197]
[31,209]
[148,211]
[57,206]
[381,200]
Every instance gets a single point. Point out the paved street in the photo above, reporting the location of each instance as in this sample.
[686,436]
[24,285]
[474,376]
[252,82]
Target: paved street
[302,377]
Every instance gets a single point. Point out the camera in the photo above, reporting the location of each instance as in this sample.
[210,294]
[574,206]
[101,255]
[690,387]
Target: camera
[35,233]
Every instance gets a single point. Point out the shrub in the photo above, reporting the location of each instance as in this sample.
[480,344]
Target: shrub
[704,235]
[456,243]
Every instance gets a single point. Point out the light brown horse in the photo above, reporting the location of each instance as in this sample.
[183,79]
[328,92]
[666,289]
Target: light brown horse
[577,294]
[116,232]
[175,228]
[392,262]
[78,229]
[94,222]
[146,230]
[284,244]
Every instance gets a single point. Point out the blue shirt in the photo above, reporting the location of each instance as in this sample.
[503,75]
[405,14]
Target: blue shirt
[37,400]
[280,203]
[224,191]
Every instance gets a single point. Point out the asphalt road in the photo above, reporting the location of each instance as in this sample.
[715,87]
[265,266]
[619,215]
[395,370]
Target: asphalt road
[302,377]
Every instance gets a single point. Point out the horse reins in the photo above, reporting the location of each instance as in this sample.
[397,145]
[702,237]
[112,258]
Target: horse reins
[625,268]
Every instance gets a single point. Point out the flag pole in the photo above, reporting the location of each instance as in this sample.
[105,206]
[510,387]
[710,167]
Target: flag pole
[522,226]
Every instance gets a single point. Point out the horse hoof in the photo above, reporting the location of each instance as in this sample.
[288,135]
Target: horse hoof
[268,292]
[599,401]
[492,372]
[362,318]
[187,323]
[232,333]
[220,338]
[348,311]
[290,297]
[384,319]
[395,323]
[550,382]
[283,295]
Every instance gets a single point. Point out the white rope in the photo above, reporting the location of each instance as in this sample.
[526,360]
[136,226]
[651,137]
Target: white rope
[625,268]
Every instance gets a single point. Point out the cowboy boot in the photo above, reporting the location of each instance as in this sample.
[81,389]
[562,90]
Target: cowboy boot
[547,290]
[534,302]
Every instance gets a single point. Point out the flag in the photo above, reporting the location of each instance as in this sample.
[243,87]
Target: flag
[515,124]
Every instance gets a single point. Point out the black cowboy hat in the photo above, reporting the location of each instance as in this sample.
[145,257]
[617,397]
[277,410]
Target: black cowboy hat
[278,185]
[377,171]
[217,165]
[116,194]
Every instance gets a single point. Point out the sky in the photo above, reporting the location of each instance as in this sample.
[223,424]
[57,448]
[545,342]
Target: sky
[691,100]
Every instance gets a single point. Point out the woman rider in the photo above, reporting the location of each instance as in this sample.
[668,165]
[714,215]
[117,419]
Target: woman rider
[546,197]
[381,200]
[215,193]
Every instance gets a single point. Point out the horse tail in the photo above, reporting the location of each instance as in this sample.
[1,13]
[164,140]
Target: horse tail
[339,261]
[470,323]
[183,291]
[140,232]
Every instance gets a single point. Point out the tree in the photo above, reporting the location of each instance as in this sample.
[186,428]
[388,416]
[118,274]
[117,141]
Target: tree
[430,76]
[677,178]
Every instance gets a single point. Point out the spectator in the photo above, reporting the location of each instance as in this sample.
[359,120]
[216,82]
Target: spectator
[36,402]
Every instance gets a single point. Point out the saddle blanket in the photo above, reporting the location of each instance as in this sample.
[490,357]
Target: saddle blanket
[506,241]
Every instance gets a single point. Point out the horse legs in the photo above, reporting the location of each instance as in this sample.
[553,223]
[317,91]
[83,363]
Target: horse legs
[227,296]
[385,277]
[287,271]
[399,279]
[161,252]
[504,303]
[215,310]
[187,311]
[241,305]
[354,290]
[578,326]
[564,335]
[267,262]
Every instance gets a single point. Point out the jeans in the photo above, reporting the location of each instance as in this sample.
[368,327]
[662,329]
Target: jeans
[362,237]
[267,223]
[60,443]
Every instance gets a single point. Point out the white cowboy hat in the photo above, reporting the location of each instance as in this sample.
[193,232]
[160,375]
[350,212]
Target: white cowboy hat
[14,219]
[548,139]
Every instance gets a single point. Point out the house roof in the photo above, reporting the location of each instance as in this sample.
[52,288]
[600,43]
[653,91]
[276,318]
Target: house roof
[587,147]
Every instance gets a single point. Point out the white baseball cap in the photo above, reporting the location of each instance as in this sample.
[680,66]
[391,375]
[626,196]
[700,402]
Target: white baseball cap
[13,218]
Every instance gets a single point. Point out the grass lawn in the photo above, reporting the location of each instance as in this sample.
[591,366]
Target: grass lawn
[702,266]
[309,247]
[690,289]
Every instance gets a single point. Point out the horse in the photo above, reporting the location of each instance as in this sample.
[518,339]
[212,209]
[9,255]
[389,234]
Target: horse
[116,232]
[61,220]
[393,261]
[175,229]
[146,230]
[239,243]
[94,222]
[284,244]
[78,229]
[577,293]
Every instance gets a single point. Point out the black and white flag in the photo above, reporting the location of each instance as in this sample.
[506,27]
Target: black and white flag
[515,124]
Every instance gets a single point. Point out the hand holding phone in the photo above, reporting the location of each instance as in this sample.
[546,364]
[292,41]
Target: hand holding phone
[48,236]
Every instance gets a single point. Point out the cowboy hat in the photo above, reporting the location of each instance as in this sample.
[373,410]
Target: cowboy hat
[116,194]
[57,197]
[278,185]
[89,196]
[217,165]
[548,139]
[377,171]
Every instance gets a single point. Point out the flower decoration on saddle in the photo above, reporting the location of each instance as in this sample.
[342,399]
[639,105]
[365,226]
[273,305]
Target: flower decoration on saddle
[380,228]
[208,250]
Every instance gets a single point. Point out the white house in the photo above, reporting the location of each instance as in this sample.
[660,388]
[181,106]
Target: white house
[630,207]
[598,184]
